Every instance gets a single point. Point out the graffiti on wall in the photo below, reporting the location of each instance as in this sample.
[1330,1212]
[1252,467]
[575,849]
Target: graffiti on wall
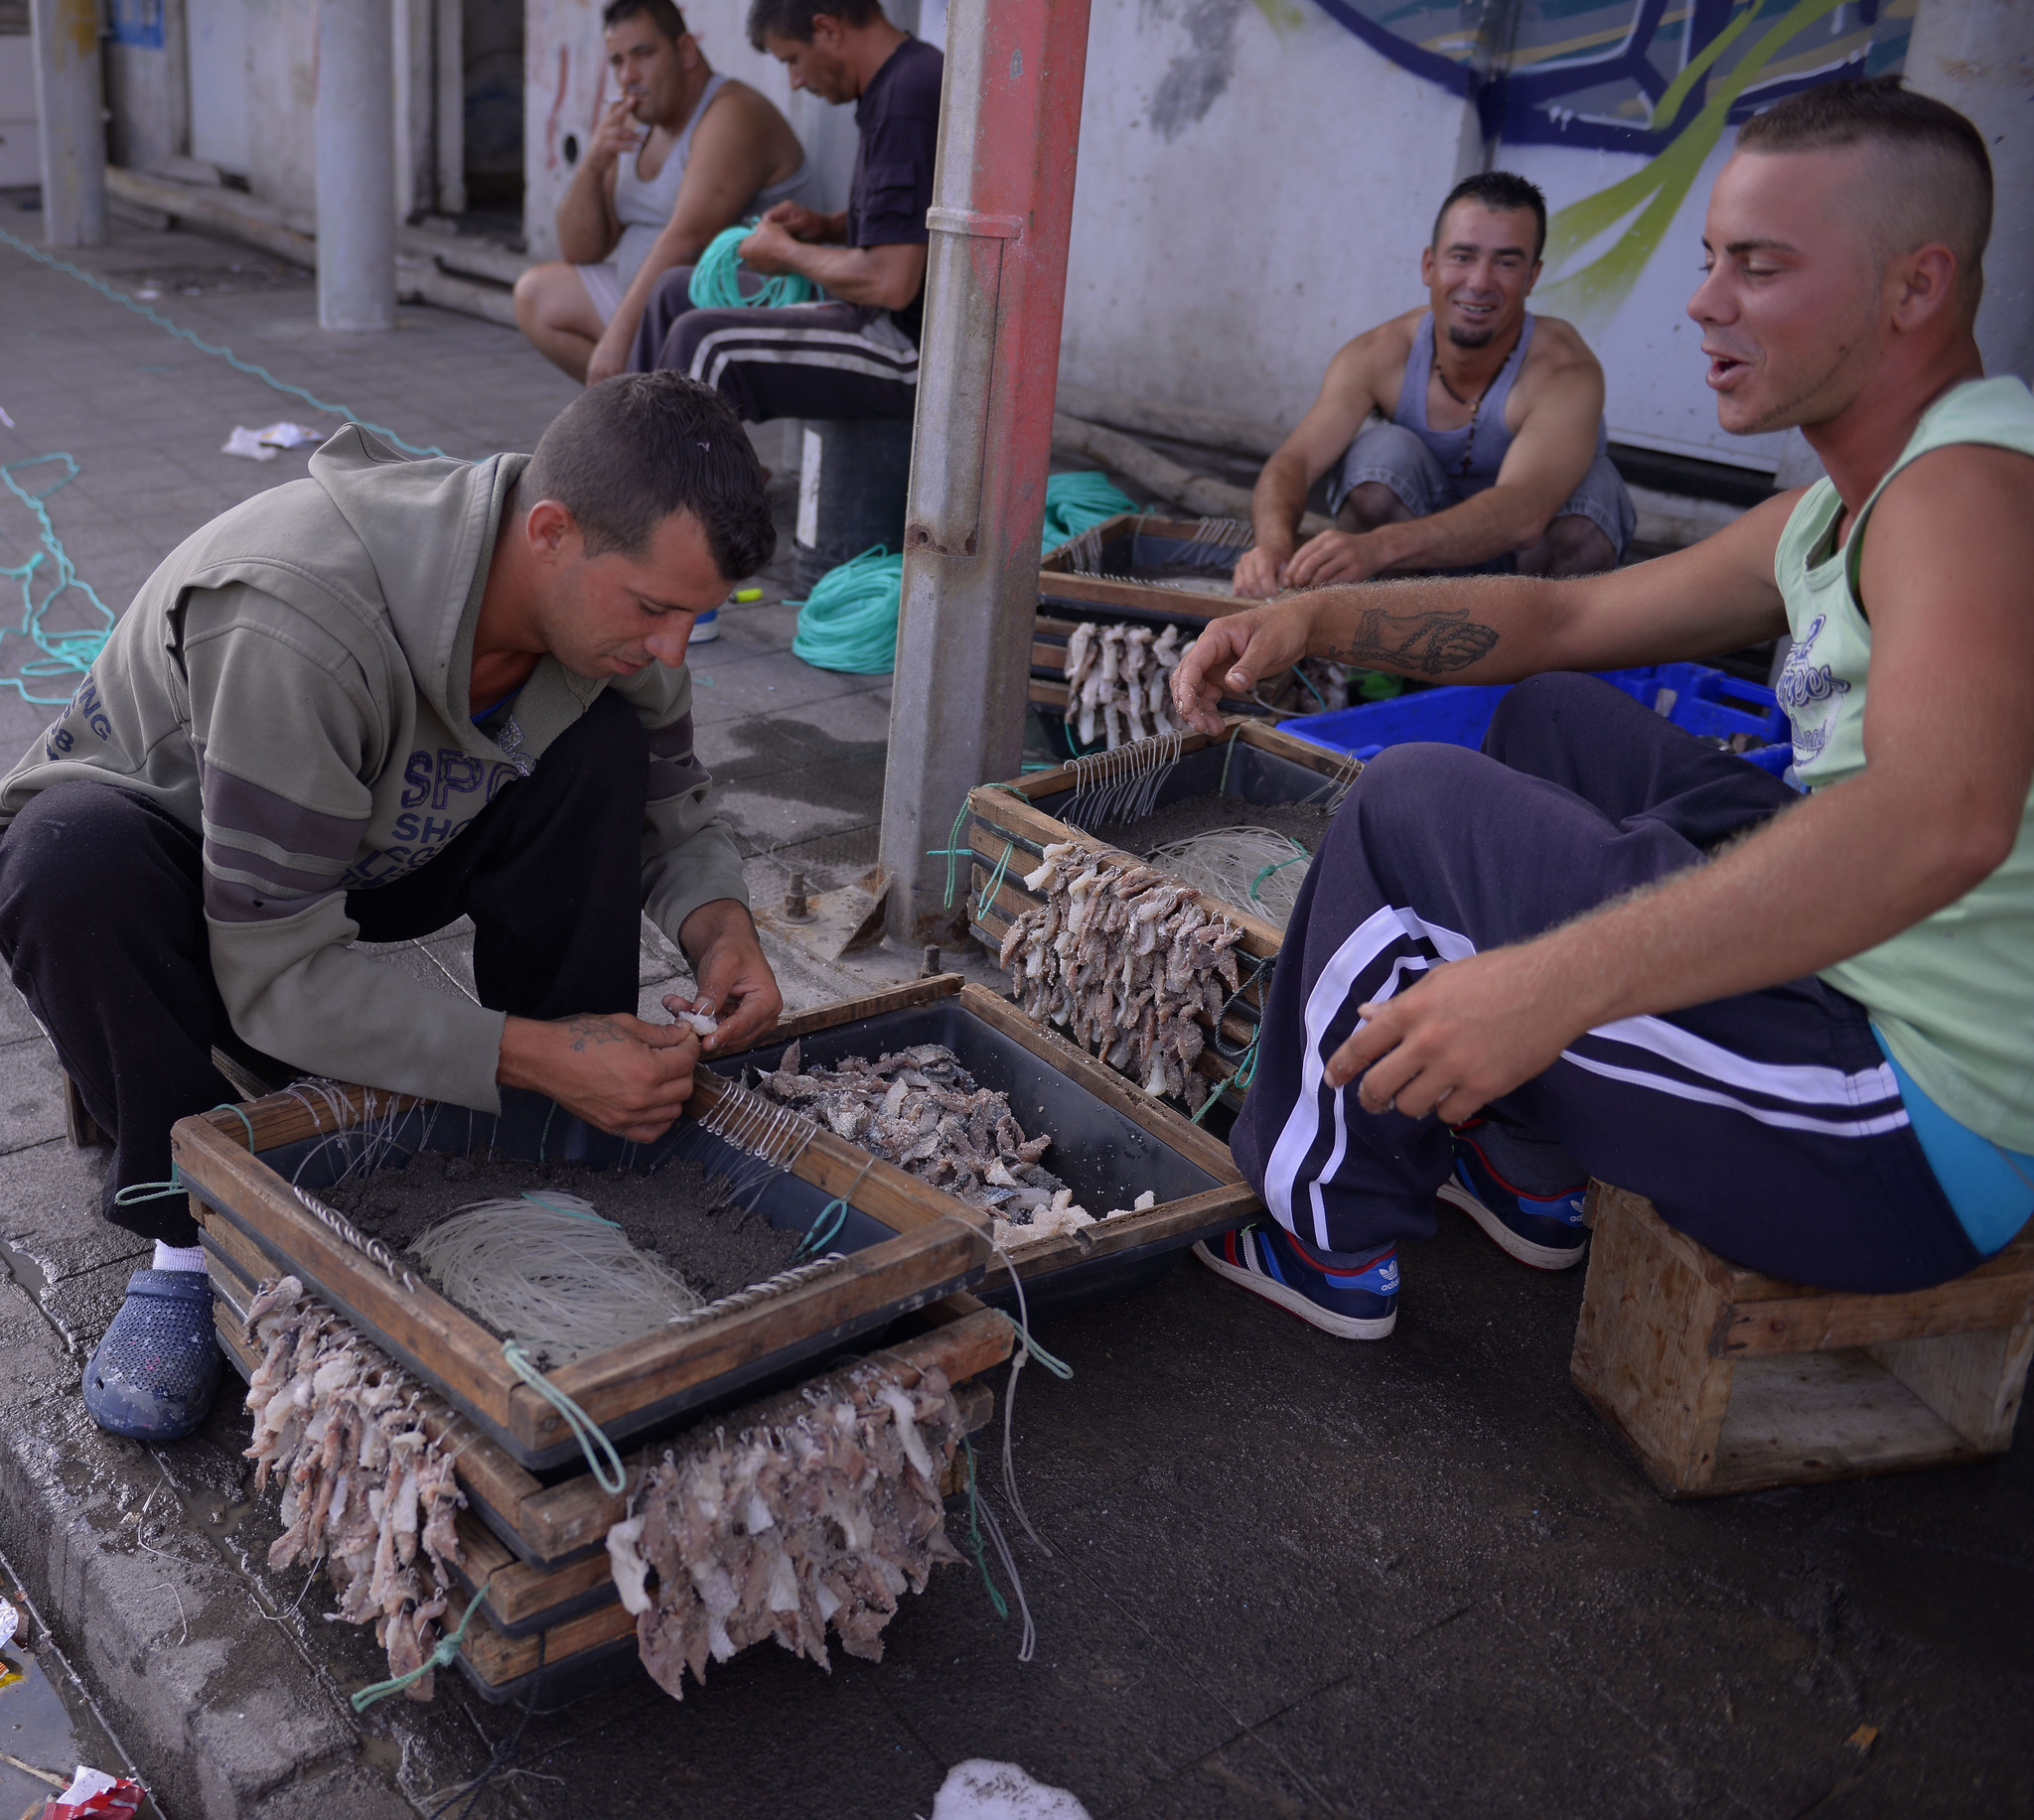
[1663,78]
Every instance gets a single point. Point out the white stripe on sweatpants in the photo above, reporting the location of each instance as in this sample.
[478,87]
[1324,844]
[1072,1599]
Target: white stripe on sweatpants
[1823,1124]
[1803,1083]
[839,350]
[1806,1085]
[1331,992]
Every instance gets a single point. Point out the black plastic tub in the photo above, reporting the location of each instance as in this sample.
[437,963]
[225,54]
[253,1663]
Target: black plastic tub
[1110,1143]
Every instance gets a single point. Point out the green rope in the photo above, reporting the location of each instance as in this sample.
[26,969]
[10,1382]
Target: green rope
[66,654]
[1278,865]
[974,1541]
[815,1240]
[988,898]
[136,1192]
[952,851]
[1228,753]
[440,1657]
[600,1453]
[848,622]
[227,1105]
[1057,1366]
[717,278]
[225,354]
[551,1207]
[1074,502]
[1309,682]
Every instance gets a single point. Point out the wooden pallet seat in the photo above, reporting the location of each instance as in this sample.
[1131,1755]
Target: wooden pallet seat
[1723,1381]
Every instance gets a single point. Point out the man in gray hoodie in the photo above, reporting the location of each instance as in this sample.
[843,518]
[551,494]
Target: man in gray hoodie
[357,707]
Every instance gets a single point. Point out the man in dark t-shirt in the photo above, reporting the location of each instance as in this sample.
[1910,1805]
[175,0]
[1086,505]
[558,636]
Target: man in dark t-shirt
[856,355]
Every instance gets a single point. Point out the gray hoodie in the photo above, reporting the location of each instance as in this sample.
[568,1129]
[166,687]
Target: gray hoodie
[292,683]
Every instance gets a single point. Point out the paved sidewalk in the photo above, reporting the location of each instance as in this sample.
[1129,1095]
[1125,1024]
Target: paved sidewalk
[1291,1576]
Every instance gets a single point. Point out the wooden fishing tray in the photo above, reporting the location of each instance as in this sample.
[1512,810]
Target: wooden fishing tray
[1252,759]
[540,1550]
[254,1173]
[1112,1141]
[1068,597]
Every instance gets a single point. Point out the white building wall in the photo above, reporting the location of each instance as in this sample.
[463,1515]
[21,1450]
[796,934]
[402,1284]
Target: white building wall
[1254,187]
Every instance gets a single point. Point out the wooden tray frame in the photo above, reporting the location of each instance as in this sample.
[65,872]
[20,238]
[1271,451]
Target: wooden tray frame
[939,1245]
[1169,1222]
[1004,816]
[1723,1381]
[1059,582]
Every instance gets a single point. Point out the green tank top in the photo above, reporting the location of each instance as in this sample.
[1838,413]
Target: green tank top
[1952,996]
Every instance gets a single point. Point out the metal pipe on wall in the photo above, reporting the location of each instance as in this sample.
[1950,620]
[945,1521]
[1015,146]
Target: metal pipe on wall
[356,151]
[995,290]
[71,114]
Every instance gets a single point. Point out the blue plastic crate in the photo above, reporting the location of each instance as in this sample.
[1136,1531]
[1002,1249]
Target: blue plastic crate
[1702,699]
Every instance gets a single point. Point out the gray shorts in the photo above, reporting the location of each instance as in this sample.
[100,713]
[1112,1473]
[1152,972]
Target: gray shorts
[1396,457]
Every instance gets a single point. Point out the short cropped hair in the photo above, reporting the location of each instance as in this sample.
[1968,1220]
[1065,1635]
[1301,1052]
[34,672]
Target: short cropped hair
[1503,193]
[1940,188]
[793,18]
[660,13]
[628,453]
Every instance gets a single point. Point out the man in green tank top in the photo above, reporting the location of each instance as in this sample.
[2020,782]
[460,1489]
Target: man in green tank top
[1802,1023]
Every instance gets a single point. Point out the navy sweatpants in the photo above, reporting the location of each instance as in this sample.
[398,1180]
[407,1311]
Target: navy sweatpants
[1766,1126]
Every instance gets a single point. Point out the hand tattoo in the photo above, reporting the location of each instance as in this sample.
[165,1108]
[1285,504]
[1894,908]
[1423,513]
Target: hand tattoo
[1432,643]
[590,1030]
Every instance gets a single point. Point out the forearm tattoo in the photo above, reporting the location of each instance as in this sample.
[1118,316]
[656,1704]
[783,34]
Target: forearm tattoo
[1430,644]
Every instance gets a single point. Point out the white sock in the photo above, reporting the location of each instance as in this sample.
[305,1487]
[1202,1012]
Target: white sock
[178,1257]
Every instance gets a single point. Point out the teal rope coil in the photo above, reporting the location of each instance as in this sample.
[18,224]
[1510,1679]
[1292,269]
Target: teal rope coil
[600,1453]
[1074,502]
[66,654]
[848,622]
[225,354]
[440,1657]
[717,279]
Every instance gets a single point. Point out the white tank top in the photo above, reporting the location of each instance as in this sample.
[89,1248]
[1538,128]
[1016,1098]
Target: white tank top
[644,207]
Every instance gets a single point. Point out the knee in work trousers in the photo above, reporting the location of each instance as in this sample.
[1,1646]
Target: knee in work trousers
[1766,1126]
[830,360]
[103,925]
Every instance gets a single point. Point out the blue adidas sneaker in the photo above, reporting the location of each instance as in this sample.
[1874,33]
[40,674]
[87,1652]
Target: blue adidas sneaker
[1543,1230]
[1266,1260]
[153,1375]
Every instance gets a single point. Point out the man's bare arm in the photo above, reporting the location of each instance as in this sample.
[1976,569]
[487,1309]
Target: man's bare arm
[882,277]
[1551,452]
[1278,501]
[587,225]
[1949,739]
[1716,596]
[729,162]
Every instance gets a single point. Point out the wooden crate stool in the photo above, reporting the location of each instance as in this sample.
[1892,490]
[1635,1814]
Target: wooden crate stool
[1725,1380]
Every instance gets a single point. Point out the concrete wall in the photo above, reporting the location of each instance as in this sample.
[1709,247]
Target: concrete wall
[1256,183]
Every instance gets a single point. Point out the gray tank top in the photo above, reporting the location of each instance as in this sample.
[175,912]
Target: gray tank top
[644,207]
[1472,454]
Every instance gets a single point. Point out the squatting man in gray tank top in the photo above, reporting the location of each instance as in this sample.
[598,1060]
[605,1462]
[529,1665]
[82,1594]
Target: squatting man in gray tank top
[1464,436]
[681,153]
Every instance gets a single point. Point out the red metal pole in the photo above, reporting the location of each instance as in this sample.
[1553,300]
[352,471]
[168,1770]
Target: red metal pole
[995,290]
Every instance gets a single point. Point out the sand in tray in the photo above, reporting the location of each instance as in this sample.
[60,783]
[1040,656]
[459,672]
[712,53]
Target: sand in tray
[672,1214]
[1305,822]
